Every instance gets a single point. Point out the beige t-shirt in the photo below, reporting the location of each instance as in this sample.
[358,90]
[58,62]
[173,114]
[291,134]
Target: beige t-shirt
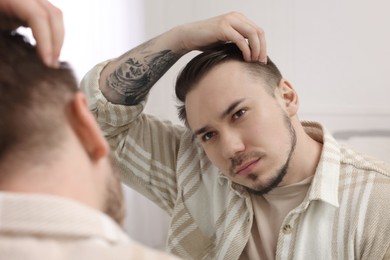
[269,212]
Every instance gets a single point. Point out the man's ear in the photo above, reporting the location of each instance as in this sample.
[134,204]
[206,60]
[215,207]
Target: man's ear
[86,128]
[289,98]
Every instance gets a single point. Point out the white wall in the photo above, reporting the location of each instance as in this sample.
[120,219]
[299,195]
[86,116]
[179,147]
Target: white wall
[96,30]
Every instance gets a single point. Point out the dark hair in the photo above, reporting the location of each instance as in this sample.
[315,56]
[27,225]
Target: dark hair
[33,98]
[198,67]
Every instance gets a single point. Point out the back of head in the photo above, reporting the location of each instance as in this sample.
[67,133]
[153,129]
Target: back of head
[32,101]
[199,66]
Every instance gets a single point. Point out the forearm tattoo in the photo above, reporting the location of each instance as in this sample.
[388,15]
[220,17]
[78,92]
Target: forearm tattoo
[134,78]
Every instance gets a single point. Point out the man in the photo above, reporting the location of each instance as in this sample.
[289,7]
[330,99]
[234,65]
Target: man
[244,179]
[290,169]
[60,198]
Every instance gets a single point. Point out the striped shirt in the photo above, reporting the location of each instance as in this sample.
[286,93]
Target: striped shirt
[345,214]
[38,226]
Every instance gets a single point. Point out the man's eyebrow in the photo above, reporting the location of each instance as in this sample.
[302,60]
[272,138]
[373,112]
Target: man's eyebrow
[225,113]
[201,131]
[231,108]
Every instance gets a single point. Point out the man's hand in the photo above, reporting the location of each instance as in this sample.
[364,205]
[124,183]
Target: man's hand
[45,21]
[231,27]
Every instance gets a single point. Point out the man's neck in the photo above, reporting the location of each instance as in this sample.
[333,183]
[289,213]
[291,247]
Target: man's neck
[65,175]
[305,158]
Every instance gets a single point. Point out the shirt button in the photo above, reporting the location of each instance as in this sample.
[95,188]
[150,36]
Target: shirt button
[287,229]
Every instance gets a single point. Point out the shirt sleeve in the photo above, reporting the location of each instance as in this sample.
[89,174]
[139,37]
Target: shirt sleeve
[144,148]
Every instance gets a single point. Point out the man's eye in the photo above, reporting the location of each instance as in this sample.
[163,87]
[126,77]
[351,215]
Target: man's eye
[239,114]
[207,136]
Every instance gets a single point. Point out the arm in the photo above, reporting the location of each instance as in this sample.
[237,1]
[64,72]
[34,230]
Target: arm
[45,21]
[128,79]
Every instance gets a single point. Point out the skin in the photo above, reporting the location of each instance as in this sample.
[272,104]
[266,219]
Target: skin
[248,134]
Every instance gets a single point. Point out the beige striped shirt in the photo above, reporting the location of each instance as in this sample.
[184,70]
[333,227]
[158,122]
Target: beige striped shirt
[345,214]
[38,226]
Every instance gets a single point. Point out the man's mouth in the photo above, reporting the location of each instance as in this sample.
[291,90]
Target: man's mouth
[246,167]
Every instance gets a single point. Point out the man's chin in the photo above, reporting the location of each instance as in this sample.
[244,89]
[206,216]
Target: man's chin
[263,187]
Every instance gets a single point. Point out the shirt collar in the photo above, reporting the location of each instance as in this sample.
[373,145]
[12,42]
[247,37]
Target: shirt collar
[45,215]
[325,184]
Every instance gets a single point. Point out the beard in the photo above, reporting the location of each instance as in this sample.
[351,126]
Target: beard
[114,202]
[261,189]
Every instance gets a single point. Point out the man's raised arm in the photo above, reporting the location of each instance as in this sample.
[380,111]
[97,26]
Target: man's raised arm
[127,79]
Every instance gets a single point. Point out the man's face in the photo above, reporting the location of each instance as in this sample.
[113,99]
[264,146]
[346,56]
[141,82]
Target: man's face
[244,131]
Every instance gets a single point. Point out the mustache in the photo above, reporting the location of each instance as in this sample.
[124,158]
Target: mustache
[239,159]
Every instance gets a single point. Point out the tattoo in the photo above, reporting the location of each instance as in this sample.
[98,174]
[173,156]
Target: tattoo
[134,78]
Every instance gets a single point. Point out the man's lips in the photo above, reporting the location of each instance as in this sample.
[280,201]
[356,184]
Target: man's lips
[246,167]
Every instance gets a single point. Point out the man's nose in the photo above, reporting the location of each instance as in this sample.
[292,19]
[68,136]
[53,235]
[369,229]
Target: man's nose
[231,145]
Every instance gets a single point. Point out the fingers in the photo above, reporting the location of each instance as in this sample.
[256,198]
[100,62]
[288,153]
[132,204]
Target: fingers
[232,27]
[263,49]
[46,23]
[50,39]
[249,38]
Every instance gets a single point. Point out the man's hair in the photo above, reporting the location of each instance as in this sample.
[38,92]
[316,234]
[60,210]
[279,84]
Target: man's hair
[33,99]
[199,66]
